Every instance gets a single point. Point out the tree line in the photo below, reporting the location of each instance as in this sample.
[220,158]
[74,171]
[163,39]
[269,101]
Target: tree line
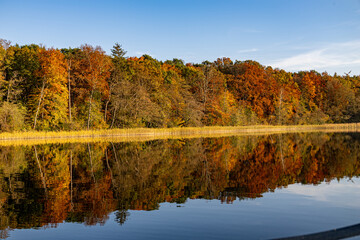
[84,88]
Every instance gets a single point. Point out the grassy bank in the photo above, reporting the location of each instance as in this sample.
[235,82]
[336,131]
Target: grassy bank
[139,134]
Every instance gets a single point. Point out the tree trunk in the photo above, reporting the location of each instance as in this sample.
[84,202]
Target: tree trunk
[108,165]
[69,72]
[40,99]
[91,165]
[71,184]
[89,115]
[41,172]
[280,106]
[113,119]
[107,103]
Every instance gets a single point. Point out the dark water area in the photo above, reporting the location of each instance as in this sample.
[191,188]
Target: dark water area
[244,187]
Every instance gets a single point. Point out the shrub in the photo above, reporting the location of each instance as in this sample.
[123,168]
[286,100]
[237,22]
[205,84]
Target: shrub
[11,117]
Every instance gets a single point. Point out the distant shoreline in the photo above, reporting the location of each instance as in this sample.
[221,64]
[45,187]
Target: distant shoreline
[141,134]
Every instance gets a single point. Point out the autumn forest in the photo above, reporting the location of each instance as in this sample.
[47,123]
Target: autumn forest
[84,88]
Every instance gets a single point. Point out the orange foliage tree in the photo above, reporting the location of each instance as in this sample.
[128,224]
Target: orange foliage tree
[92,71]
[48,104]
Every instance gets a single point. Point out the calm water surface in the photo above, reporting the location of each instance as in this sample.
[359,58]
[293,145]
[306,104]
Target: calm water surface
[248,187]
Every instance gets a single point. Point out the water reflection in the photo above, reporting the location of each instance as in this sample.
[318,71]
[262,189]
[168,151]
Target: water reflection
[44,185]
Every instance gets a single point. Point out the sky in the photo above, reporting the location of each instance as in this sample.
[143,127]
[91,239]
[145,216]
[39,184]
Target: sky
[321,35]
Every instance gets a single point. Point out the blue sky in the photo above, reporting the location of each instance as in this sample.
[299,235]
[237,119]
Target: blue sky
[293,35]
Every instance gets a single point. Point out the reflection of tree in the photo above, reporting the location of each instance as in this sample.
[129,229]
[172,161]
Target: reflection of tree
[92,198]
[121,216]
[45,185]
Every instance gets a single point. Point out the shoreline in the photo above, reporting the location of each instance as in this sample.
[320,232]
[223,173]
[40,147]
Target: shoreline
[144,134]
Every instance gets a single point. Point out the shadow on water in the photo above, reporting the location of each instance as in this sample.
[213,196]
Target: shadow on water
[340,233]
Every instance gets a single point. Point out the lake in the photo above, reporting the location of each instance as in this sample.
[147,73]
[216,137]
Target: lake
[241,187]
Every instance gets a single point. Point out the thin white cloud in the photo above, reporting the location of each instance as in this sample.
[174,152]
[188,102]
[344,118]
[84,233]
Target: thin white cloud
[248,50]
[140,53]
[331,56]
[340,193]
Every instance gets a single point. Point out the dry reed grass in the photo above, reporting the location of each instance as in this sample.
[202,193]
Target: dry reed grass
[144,134]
